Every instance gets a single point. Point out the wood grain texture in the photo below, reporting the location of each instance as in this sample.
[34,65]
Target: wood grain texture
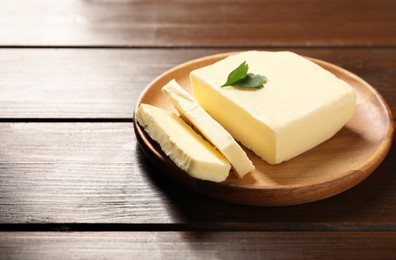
[199,245]
[74,174]
[103,83]
[197,23]
[69,173]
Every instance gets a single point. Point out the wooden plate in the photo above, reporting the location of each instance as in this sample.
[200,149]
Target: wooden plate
[329,169]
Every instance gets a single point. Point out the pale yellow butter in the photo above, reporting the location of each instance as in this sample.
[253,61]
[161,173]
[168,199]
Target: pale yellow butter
[187,149]
[194,114]
[300,106]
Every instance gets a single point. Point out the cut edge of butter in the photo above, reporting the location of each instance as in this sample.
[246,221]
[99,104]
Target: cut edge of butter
[186,148]
[212,131]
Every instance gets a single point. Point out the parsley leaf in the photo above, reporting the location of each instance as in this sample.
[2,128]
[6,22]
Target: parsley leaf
[237,74]
[241,79]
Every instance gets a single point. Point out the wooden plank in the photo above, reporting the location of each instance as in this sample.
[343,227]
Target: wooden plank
[198,245]
[197,23]
[76,173]
[100,83]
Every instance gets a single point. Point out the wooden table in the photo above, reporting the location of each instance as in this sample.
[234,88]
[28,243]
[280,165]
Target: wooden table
[74,182]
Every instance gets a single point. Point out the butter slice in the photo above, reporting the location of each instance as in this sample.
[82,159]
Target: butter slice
[194,114]
[187,149]
[300,106]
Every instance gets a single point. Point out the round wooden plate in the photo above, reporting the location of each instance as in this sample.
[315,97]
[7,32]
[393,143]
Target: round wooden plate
[329,169]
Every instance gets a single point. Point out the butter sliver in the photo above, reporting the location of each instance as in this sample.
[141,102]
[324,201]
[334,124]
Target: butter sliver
[187,149]
[194,114]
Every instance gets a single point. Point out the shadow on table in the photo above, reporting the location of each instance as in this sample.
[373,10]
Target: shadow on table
[364,207]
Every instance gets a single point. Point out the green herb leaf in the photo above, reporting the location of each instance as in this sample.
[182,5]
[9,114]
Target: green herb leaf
[241,79]
[251,81]
[237,74]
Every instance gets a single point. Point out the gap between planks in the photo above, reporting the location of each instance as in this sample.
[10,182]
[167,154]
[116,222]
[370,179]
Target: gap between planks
[165,227]
[66,120]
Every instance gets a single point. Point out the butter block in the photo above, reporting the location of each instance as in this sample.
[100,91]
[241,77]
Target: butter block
[300,106]
[187,149]
[196,116]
